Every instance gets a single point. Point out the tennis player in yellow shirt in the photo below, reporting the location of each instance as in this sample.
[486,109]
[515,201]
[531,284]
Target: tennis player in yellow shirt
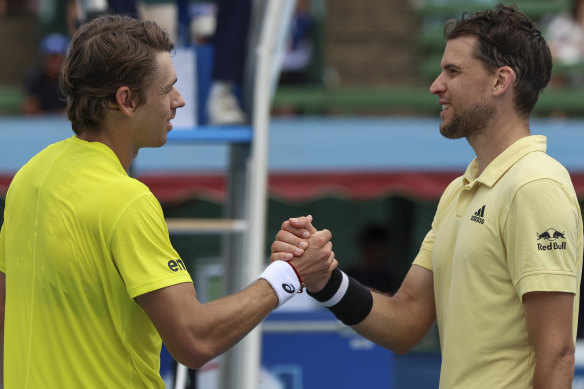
[90,284]
[500,268]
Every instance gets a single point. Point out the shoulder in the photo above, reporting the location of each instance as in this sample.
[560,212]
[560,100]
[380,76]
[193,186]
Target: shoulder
[540,182]
[538,166]
[126,192]
[40,160]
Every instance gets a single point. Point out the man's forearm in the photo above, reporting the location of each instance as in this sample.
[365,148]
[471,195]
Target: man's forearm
[554,373]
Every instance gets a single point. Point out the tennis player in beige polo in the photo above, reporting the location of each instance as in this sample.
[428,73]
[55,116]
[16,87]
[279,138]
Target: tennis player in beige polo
[518,230]
[500,268]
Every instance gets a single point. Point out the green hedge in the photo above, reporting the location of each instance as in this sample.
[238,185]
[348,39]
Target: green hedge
[10,100]
[416,100]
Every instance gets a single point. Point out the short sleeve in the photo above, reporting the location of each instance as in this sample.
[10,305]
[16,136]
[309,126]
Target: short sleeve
[142,251]
[424,257]
[543,236]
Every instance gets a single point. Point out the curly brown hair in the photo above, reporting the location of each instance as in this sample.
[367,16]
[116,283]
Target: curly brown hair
[507,37]
[105,54]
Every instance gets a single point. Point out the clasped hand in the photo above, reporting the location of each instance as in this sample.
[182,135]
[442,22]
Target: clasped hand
[308,250]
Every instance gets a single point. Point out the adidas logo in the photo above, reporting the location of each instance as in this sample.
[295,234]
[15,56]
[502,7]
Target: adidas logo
[479,216]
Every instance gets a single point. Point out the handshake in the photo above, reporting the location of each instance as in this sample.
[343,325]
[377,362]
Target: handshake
[303,257]
[307,250]
[307,255]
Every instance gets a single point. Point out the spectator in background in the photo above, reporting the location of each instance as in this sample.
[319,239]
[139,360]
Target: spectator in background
[296,64]
[565,34]
[230,43]
[42,93]
[373,264]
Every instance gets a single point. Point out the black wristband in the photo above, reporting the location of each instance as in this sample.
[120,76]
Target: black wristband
[330,288]
[346,298]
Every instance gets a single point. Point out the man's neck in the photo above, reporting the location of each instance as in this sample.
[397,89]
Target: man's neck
[497,138]
[116,140]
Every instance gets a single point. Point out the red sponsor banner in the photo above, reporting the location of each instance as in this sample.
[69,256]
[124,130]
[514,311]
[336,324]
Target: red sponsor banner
[171,188]
[305,186]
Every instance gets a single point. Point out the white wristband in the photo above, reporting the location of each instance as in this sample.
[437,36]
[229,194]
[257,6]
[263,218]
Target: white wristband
[283,279]
[339,294]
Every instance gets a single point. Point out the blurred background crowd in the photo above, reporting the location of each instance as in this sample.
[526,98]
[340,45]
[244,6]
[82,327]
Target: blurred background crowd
[377,57]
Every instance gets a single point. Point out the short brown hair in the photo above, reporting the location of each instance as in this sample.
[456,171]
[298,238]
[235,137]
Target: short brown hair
[105,54]
[507,37]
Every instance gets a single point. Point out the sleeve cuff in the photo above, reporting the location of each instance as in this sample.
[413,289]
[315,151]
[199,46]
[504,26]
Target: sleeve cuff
[559,281]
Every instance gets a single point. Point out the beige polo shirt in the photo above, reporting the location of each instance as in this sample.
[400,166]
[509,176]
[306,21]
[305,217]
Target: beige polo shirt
[514,229]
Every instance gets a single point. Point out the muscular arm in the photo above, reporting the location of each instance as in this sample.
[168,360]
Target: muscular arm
[400,321]
[396,322]
[193,332]
[549,324]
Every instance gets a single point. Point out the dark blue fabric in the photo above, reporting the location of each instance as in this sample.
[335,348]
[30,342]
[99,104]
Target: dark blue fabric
[233,17]
[46,90]
[123,7]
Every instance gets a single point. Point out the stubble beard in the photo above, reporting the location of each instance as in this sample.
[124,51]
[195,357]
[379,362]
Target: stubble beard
[470,123]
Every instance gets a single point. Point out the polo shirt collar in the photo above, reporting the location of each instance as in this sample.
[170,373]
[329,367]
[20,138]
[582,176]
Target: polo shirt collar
[503,162]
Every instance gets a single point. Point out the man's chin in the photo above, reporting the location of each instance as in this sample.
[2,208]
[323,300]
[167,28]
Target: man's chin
[162,142]
[155,145]
[446,132]
[164,137]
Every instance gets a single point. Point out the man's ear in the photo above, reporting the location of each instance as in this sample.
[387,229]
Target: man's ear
[125,100]
[504,80]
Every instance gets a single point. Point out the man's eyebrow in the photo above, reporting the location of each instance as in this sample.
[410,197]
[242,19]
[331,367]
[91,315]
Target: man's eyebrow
[171,84]
[451,66]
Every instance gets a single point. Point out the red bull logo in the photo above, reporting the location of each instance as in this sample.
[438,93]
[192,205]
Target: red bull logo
[551,237]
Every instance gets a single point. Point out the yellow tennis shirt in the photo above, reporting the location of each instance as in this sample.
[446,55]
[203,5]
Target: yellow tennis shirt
[515,228]
[80,240]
